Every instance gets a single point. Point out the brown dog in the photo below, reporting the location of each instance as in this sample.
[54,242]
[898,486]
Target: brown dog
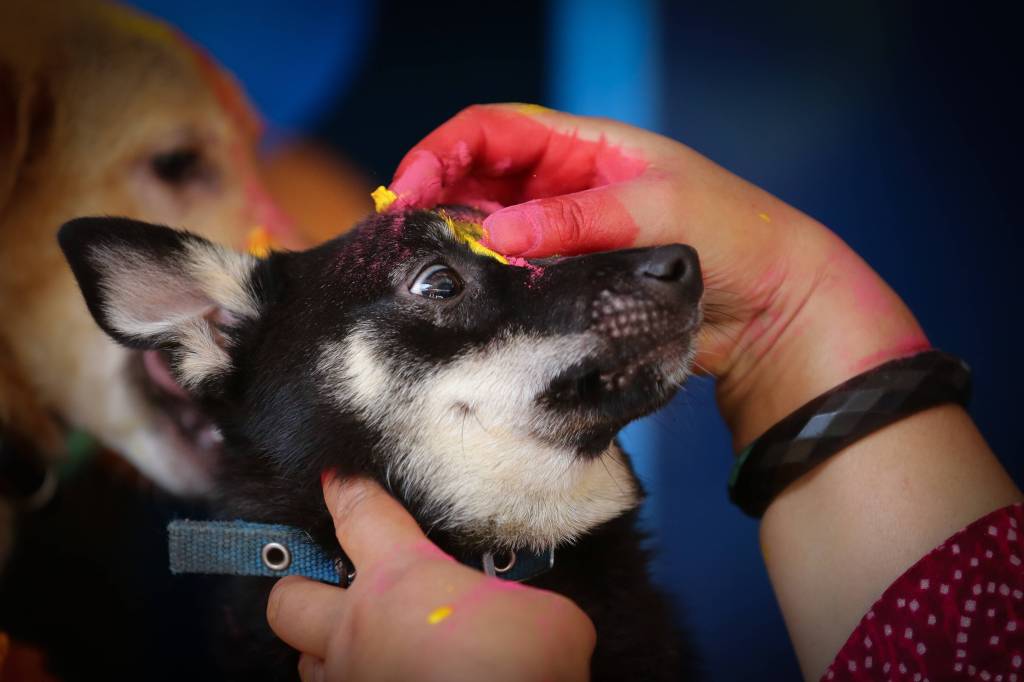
[103,111]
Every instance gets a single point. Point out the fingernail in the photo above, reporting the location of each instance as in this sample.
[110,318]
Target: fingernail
[330,485]
[420,181]
[335,489]
[515,230]
[338,491]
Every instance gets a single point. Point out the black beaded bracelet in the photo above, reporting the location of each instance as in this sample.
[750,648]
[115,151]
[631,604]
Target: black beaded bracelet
[841,416]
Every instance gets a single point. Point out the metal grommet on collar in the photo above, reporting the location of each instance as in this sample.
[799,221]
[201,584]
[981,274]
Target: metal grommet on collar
[496,565]
[346,573]
[47,489]
[503,563]
[276,556]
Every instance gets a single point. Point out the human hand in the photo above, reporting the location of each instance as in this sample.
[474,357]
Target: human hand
[792,310]
[413,612]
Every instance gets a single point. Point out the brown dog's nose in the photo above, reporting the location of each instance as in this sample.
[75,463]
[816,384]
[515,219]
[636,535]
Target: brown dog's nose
[674,265]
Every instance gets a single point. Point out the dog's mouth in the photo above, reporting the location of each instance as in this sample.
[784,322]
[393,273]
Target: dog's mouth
[646,352]
[199,438]
[639,383]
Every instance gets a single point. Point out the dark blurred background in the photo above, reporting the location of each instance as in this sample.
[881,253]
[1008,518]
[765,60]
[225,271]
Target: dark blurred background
[895,123]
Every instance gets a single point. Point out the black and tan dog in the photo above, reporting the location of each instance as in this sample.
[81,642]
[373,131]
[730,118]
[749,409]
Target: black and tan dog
[485,395]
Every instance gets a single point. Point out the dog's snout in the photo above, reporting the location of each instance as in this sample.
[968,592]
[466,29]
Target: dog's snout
[675,265]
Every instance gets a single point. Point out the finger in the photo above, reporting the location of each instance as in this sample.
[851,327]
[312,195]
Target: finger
[511,153]
[311,668]
[368,522]
[592,220]
[303,613]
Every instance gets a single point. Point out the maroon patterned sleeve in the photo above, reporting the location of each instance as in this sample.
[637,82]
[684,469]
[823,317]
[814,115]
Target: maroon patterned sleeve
[958,613]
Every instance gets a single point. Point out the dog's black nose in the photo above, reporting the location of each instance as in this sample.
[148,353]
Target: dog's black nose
[674,265]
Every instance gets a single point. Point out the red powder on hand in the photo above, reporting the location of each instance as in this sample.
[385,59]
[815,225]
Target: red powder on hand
[498,157]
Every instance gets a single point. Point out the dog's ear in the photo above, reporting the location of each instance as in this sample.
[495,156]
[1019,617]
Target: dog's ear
[11,131]
[27,123]
[152,287]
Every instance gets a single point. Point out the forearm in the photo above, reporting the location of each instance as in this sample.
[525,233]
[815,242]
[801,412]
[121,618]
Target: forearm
[838,537]
[835,539]
[792,313]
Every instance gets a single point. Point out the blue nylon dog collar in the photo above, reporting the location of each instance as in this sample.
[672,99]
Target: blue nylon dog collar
[242,548]
[261,549]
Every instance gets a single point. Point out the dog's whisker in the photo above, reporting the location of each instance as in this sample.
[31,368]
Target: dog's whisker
[462,435]
[603,459]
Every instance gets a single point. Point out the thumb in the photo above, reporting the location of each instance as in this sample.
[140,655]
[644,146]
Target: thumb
[369,523]
[592,220]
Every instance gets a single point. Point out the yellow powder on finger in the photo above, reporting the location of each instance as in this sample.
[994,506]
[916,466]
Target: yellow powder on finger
[439,614]
[530,109]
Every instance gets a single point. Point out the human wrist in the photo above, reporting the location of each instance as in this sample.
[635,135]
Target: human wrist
[836,320]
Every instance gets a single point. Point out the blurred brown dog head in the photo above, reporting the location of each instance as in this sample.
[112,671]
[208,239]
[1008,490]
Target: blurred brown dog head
[104,111]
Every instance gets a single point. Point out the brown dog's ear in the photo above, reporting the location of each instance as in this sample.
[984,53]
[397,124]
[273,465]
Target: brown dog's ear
[13,136]
[27,116]
[152,287]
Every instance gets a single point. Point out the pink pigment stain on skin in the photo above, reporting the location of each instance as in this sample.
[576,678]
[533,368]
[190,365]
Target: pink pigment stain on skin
[593,220]
[482,591]
[422,177]
[423,550]
[428,550]
[489,154]
[493,158]
[905,347]
[764,329]
[874,300]
[490,588]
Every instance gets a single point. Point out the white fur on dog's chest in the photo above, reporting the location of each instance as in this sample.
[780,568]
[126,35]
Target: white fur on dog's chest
[464,439]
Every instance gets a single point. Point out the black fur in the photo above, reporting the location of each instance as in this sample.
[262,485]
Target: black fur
[281,431]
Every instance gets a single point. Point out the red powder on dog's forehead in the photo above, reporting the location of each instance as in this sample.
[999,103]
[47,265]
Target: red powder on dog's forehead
[368,253]
[536,271]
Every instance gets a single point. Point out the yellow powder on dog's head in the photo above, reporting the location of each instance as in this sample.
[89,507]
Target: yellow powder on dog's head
[259,242]
[470,234]
[383,198]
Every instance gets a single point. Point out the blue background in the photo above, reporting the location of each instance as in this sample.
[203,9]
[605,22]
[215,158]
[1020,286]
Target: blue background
[896,124]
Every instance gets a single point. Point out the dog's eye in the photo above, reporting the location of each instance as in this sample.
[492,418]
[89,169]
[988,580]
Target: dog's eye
[438,282]
[178,166]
